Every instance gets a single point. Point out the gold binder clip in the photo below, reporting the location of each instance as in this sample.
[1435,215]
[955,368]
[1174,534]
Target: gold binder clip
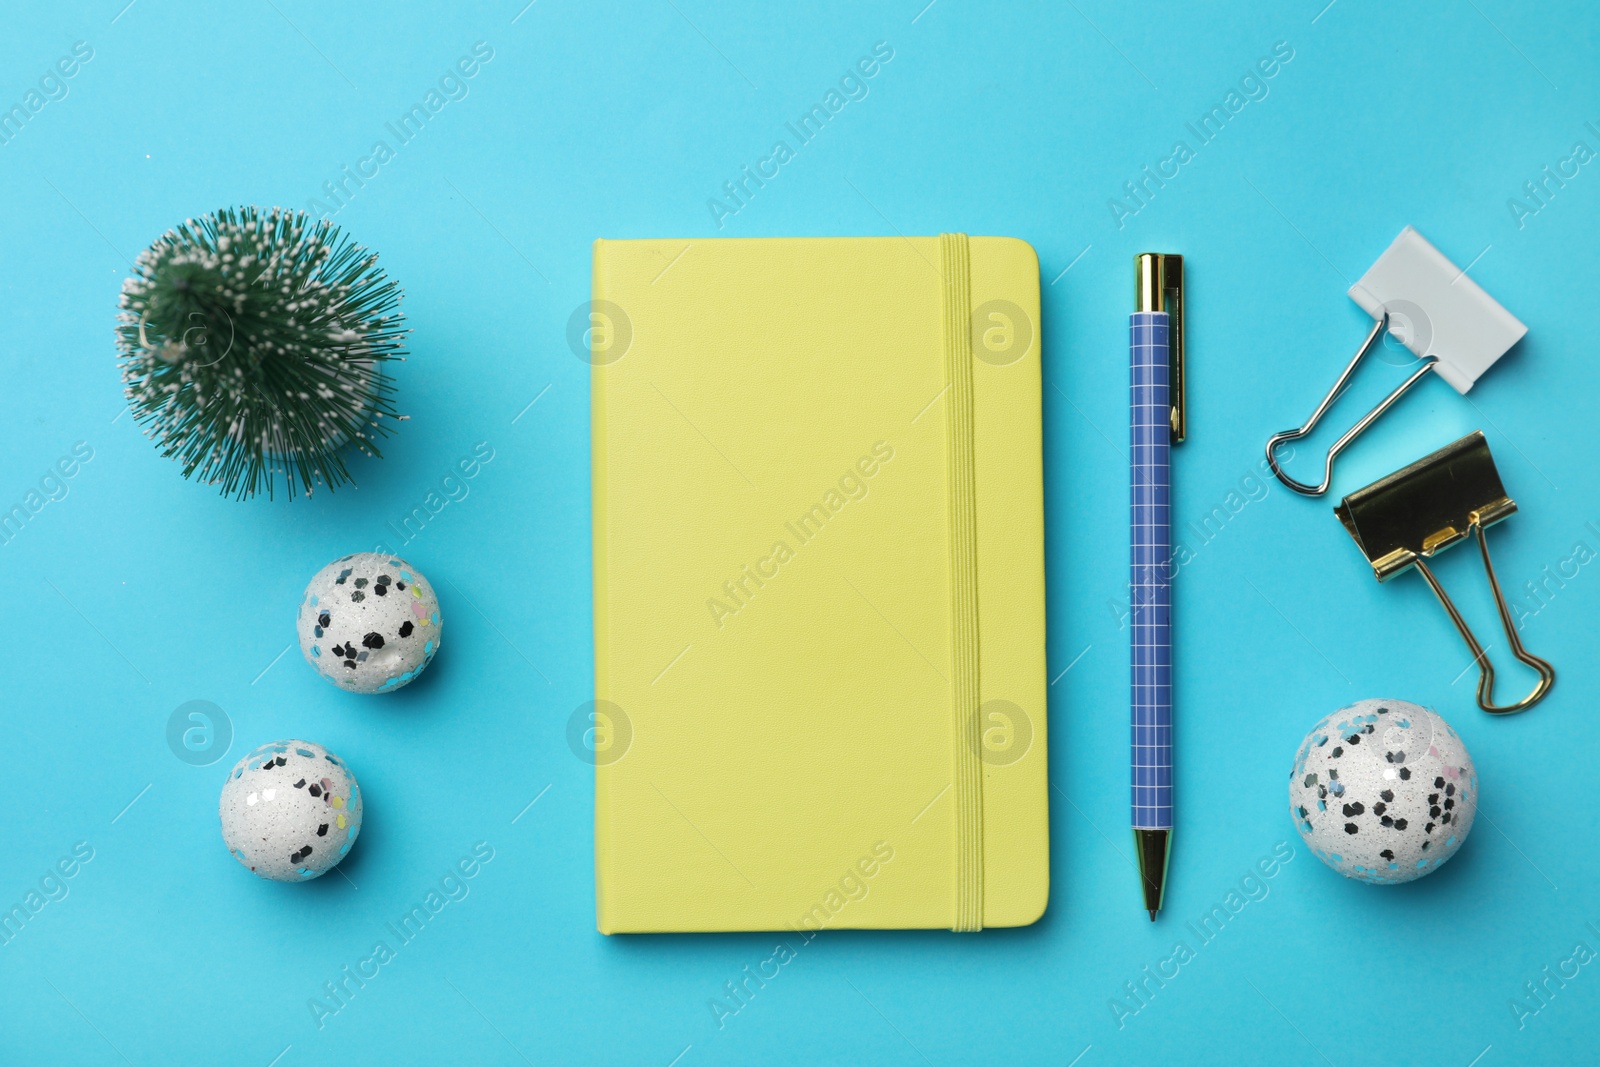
[1402,520]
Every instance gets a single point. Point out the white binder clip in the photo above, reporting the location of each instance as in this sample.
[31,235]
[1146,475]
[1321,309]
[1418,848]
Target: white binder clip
[1436,311]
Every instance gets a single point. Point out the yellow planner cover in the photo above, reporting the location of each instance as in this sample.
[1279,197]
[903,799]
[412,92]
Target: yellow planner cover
[818,584]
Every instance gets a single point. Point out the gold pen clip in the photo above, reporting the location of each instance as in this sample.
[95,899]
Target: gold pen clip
[1421,510]
[1160,288]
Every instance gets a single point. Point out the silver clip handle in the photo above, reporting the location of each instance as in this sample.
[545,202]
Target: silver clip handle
[1322,409]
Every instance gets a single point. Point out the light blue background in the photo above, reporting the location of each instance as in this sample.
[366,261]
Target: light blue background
[140,591]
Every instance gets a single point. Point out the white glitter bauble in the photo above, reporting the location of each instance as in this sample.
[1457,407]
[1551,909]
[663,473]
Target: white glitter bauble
[1383,791]
[369,622]
[290,811]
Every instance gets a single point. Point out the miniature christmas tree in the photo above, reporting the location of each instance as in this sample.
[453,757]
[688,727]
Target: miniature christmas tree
[253,345]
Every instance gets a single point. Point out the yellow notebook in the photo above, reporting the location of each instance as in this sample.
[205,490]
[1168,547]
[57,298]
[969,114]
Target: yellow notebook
[818,584]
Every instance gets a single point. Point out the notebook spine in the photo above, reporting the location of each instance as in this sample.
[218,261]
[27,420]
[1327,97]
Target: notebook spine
[602,655]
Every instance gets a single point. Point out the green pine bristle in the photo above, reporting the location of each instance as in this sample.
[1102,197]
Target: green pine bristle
[252,345]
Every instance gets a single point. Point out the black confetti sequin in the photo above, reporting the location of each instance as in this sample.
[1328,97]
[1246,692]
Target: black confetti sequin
[406,628]
[1351,828]
[373,640]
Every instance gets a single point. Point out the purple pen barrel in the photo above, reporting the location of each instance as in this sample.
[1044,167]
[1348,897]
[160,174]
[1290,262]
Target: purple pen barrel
[1150,579]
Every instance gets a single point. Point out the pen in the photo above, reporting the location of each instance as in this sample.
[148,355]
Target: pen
[1156,422]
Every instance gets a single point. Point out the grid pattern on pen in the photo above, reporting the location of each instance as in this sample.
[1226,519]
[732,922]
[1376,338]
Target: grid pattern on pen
[1150,588]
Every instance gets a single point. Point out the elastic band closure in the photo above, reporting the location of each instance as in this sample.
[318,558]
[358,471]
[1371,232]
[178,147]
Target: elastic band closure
[963,582]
